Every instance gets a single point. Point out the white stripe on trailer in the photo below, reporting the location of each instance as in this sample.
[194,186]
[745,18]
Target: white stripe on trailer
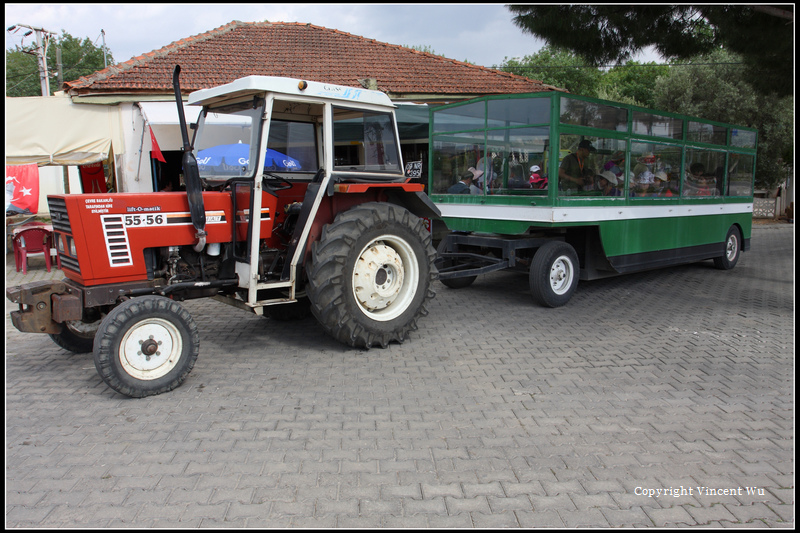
[586,214]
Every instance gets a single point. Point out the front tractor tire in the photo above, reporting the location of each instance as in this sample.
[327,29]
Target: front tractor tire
[370,275]
[146,346]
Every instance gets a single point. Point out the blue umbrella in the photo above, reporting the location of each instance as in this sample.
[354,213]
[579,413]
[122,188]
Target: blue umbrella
[226,157]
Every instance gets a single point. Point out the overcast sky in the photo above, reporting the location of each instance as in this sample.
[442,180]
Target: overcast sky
[482,34]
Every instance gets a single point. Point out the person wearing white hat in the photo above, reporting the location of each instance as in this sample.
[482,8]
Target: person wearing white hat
[662,184]
[607,182]
[645,182]
[536,179]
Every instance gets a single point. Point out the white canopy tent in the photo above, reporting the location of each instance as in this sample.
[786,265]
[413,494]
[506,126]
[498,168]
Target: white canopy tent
[54,131]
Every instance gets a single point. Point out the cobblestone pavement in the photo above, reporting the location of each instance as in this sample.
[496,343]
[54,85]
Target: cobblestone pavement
[657,399]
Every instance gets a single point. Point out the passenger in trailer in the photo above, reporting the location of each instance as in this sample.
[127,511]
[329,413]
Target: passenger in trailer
[466,185]
[607,182]
[571,172]
[662,186]
[537,181]
[615,163]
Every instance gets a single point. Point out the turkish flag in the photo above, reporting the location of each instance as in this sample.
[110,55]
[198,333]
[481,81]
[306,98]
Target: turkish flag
[154,149]
[22,189]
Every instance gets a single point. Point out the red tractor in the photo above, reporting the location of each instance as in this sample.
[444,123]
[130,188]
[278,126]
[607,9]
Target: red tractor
[296,202]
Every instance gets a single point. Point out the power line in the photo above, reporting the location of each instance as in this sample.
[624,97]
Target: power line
[528,67]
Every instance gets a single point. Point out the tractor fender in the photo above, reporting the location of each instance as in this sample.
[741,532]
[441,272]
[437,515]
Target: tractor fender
[340,197]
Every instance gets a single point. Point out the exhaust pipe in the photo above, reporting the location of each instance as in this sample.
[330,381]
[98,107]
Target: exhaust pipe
[191,173]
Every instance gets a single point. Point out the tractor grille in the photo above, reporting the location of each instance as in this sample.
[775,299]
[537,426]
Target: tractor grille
[63,232]
[58,215]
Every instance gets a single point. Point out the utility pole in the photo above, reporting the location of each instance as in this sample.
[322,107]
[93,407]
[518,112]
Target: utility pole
[42,41]
[105,59]
[60,67]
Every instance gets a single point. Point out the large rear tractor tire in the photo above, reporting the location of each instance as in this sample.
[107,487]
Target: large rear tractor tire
[370,275]
[146,346]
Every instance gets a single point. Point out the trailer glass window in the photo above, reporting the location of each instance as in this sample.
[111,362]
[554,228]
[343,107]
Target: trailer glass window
[740,174]
[518,112]
[516,161]
[657,125]
[655,170]
[454,155]
[707,133]
[578,169]
[461,118]
[364,141]
[592,114]
[743,138]
[705,172]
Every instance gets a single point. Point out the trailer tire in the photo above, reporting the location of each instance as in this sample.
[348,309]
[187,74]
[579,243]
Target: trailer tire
[76,336]
[146,346]
[370,275]
[733,249]
[554,274]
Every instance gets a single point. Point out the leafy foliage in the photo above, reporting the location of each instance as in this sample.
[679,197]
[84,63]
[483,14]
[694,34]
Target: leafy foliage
[762,35]
[78,58]
[631,83]
[557,67]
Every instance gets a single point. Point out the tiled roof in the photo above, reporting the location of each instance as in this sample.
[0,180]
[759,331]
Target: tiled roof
[301,51]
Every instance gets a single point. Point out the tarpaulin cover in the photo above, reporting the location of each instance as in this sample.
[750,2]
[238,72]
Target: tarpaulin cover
[53,131]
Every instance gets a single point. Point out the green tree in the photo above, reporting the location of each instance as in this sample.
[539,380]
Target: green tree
[557,67]
[716,87]
[78,58]
[763,36]
[632,83]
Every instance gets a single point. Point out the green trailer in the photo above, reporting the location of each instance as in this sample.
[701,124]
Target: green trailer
[567,188]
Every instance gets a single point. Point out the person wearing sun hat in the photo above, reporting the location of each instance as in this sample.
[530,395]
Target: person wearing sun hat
[536,179]
[467,182]
[661,181]
[607,182]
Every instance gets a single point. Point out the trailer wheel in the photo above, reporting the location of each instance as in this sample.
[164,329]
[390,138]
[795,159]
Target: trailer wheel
[76,336]
[554,274]
[733,249]
[145,346]
[370,275]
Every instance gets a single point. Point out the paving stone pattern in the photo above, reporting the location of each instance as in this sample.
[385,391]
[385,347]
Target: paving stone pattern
[496,413]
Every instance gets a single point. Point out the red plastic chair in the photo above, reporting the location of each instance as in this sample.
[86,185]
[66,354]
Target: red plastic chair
[31,241]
